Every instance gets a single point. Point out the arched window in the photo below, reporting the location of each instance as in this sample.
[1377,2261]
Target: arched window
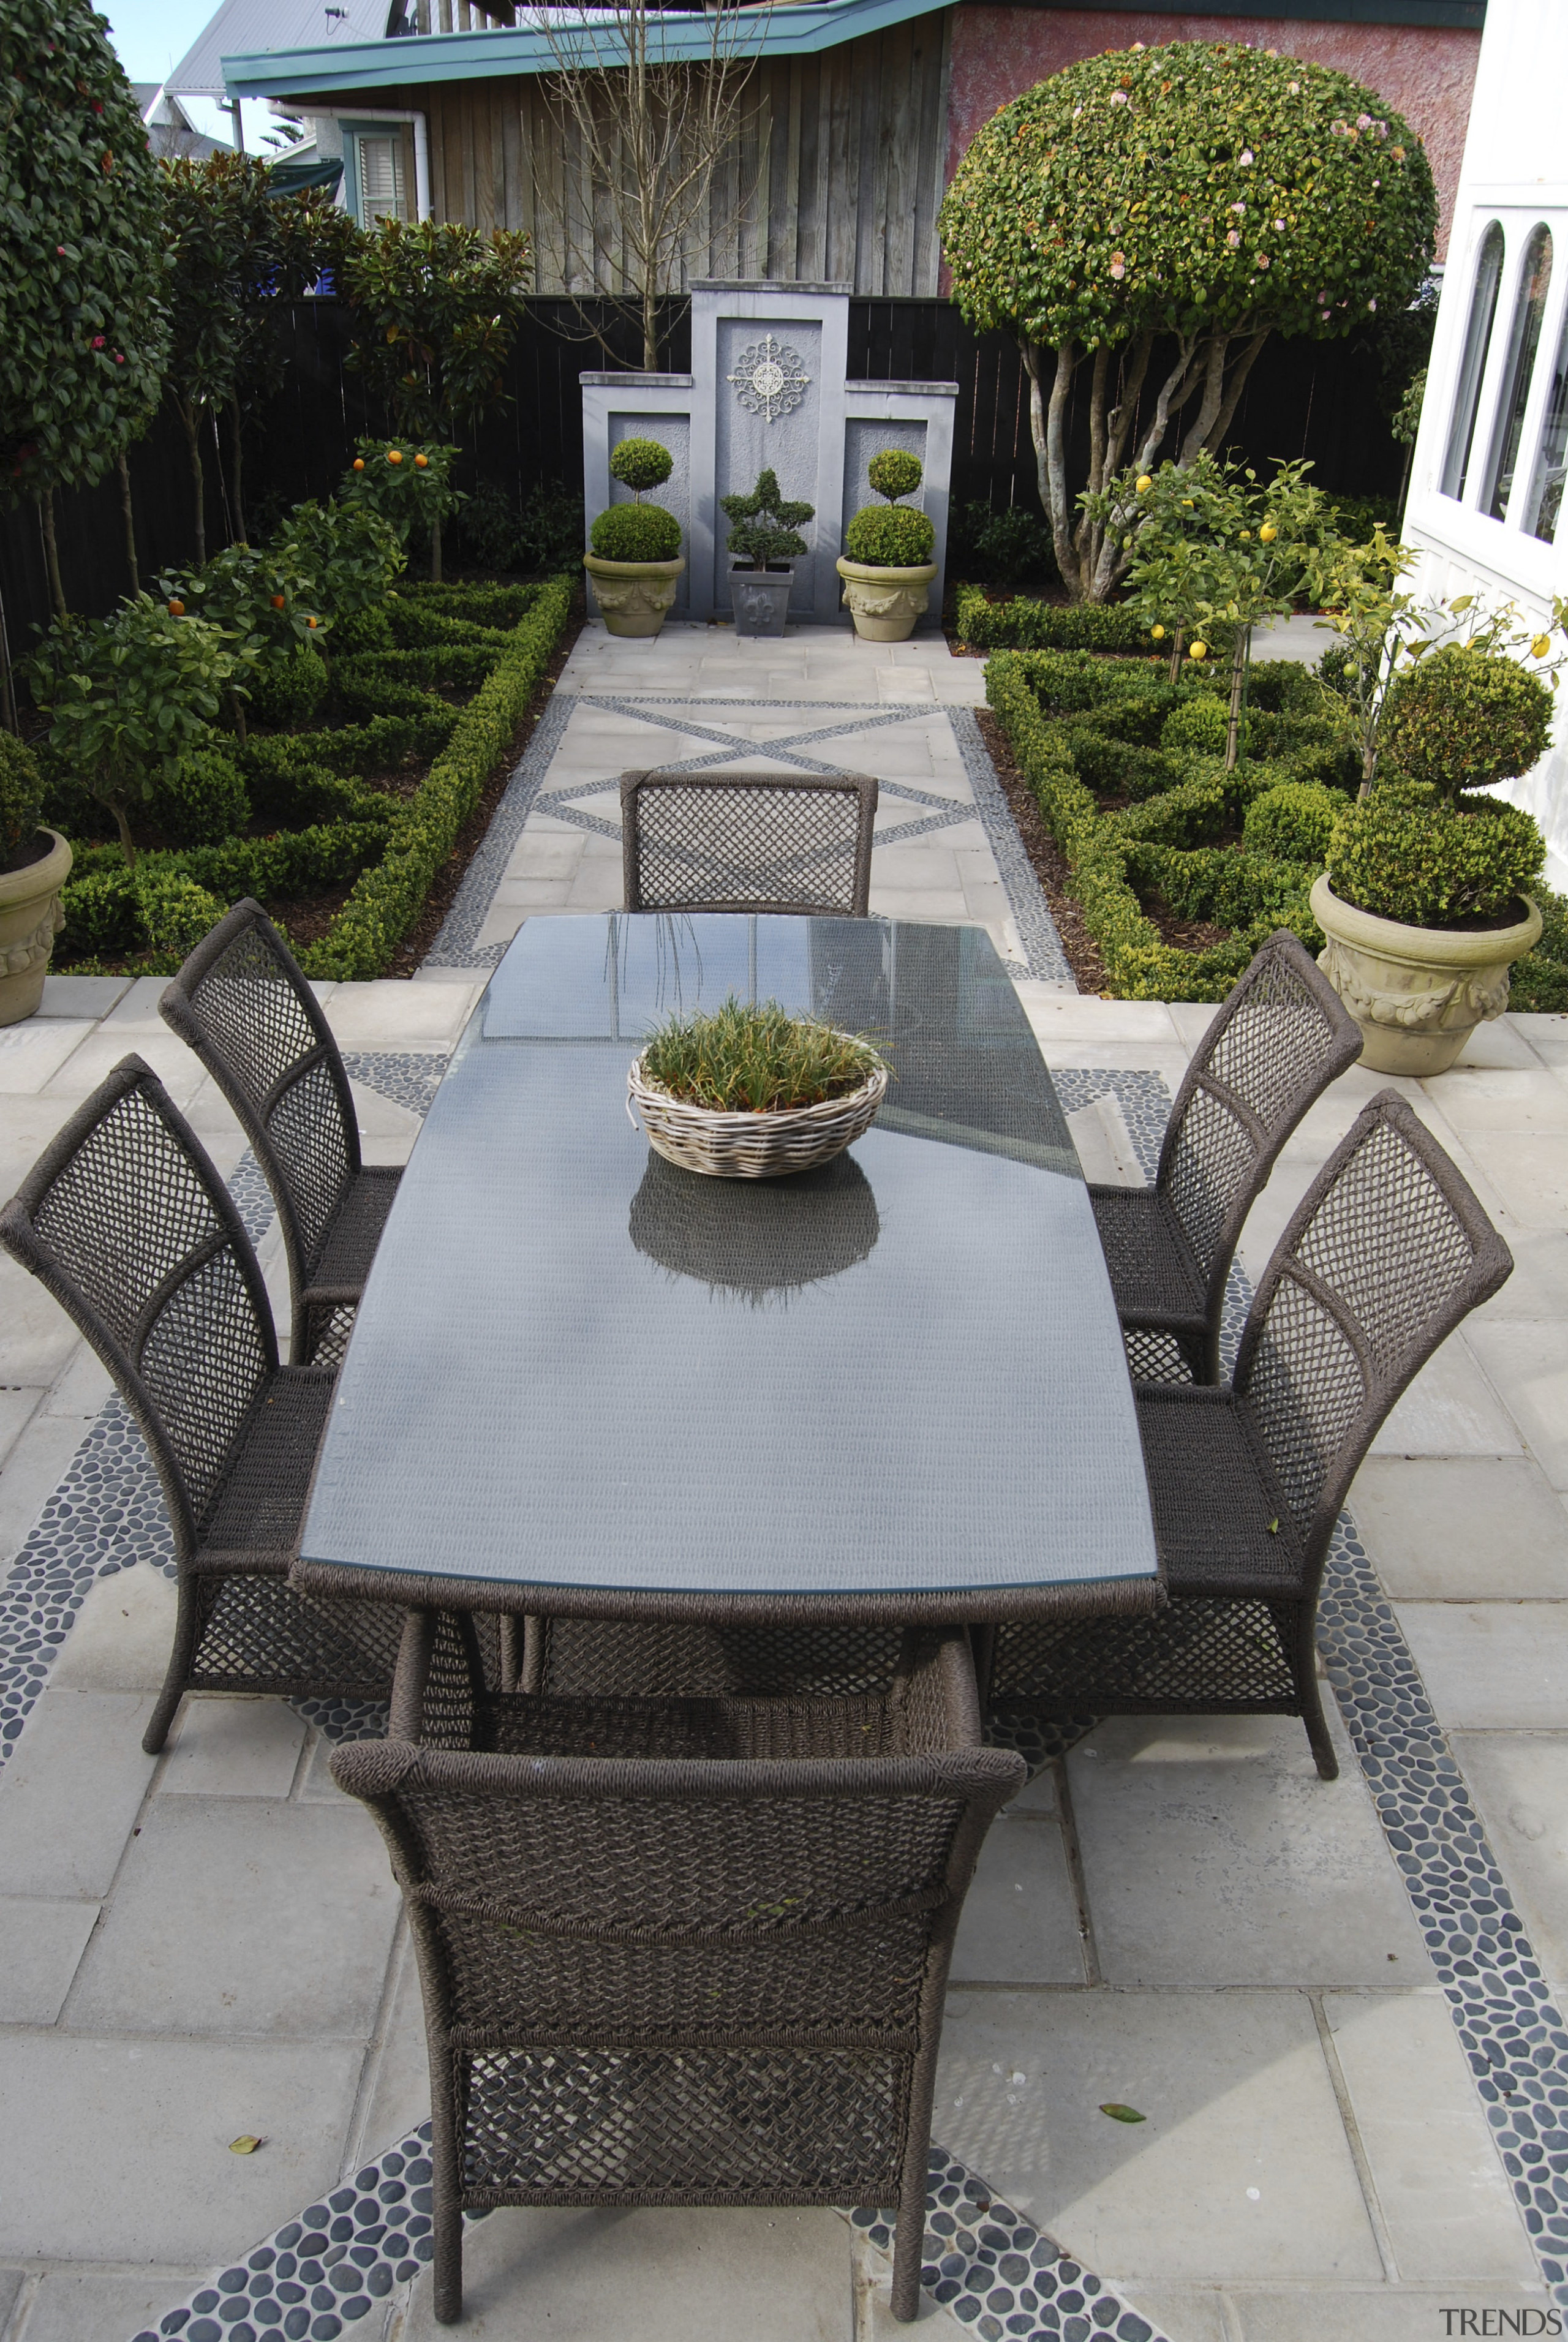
[1524,336]
[1545,504]
[1473,368]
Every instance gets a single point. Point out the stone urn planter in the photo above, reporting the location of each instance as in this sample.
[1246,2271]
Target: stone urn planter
[760,599]
[885,602]
[634,597]
[1417,993]
[30,918]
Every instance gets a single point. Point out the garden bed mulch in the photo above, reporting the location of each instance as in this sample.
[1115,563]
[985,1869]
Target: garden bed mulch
[1049,861]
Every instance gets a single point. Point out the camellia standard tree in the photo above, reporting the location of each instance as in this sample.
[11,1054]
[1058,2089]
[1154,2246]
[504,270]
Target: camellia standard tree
[1190,199]
[83,324]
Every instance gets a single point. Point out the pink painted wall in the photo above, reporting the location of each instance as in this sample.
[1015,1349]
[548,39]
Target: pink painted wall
[1425,76]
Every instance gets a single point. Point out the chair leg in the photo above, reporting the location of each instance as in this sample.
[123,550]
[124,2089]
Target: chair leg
[908,2247]
[179,1669]
[1308,1695]
[447,2240]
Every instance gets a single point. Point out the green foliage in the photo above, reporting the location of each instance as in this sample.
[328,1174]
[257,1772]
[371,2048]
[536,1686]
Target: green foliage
[636,532]
[752,1059]
[175,912]
[550,530]
[894,472]
[640,463]
[1464,718]
[406,482]
[345,556]
[1404,854]
[21,804]
[890,537]
[1539,980]
[1026,625]
[1194,187]
[766,525]
[1293,822]
[202,800]
[1006,548]
[83,323]
[1198,723]
[287,691]
[129,694]
[437,310]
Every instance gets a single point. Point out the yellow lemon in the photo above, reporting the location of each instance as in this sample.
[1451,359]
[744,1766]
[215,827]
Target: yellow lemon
[1268,533]
[1158,633]
[1246,536]
[1186,503]
[1143,484]
[1540,646]
[1198,651]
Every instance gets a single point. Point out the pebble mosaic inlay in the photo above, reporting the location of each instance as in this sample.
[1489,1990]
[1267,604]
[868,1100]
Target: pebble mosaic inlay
[702,719]
[993,2270]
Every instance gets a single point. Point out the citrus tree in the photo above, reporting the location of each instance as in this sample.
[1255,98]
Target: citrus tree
[83,325]
[1188,200]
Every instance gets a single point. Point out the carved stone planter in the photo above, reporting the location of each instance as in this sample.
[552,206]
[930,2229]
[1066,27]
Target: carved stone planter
[885,602]
[760,599]
[634,597]
[1417,993]
[30,919]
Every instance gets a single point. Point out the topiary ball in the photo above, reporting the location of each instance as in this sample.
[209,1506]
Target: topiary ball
[1464,718]
[635,531]
[640,463]
[890,537]
[284,693]
[894,472]
[1201,723]
[1293,822]
[202,801]
[21,804]
[1403,854]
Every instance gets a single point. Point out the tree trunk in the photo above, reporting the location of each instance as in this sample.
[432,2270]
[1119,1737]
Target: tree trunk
[51,553]
[7,695]
[198,483]
[649,326]
[1089,537]
[435,551]
[127,846]
[128,513]
[1176,648]
[236,468]
[238,710]
[1241,656]
[1213,399]
[1046,430]
[1238,383]
[229,529]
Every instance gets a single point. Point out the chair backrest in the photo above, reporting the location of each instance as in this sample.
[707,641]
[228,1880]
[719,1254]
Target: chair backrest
[246,1008]
[125,1221]
[1388,1250]
[662,1902]
[1281,1037]
[766,842]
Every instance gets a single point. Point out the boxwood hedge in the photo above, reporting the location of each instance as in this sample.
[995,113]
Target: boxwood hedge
[321,826]
[1087,728]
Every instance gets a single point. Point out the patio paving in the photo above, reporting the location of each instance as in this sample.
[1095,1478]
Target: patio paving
[1332,2003]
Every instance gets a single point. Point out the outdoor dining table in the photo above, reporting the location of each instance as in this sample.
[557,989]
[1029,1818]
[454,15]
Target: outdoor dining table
[583,1380]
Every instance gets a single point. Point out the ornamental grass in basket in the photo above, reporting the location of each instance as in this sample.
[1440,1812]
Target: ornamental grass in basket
[752,1092]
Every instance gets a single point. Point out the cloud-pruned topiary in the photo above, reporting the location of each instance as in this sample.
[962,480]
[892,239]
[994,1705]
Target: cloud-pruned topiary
[1201,190]
[1463,718]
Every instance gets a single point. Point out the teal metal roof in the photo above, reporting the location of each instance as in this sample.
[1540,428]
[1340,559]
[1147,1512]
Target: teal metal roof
[363,68]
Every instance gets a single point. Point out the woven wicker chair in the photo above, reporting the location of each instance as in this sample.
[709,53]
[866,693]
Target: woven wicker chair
[127,1223]
[244,1007]
[765,842]
[1387,1251]
[684,1951]
[1281,1037]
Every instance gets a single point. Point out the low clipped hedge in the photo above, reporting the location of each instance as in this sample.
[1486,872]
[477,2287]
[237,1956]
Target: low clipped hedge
[328,827]
[1024,625]
[1084,727]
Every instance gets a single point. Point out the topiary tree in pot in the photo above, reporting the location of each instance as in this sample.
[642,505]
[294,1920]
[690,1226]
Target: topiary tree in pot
[35,864]
[766,539]
[886,564]
[635,557]
[1425,902]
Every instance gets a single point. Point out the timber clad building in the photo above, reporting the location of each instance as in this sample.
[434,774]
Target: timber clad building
[857,115]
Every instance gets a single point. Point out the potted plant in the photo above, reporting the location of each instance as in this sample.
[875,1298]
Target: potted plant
[886,564]
[35,864]
[1425,901]
[749,1092]
[766,541]
[636,547]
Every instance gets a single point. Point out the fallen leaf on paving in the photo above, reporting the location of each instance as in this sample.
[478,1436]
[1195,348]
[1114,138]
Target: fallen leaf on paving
[249,2145]
[1122,2114]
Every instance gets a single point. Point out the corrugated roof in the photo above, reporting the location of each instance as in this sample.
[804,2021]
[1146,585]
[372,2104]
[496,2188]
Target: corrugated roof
[260,28]
[367,66]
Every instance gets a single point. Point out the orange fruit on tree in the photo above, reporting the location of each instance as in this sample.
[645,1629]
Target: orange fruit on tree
[277,601]
[394,454]
[310,622]
[422,463]
[176,609]
[359,463]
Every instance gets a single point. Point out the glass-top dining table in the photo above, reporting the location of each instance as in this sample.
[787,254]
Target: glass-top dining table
[583,1380]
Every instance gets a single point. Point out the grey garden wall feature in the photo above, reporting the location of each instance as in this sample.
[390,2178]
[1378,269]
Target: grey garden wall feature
[617,407]
[768,390]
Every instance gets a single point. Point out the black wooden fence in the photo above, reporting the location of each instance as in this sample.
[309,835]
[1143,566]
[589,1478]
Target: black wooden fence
[1316,399]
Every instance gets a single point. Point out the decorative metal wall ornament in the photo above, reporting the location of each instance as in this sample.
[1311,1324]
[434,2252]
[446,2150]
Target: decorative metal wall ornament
[768,379]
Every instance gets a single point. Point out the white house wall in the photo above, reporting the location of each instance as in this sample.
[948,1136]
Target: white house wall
[1515,172]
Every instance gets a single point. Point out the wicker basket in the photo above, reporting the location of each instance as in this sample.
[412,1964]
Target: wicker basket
[750,1146]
